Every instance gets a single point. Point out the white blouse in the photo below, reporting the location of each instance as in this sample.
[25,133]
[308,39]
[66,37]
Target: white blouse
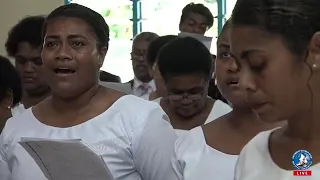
[19,108]
[195,160]
[219,109]
[133,137]
[255,163]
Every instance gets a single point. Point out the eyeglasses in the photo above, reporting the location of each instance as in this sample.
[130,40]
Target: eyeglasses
[191,97]
[138,56]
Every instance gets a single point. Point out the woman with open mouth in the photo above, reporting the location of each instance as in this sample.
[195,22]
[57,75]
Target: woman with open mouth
[132,135]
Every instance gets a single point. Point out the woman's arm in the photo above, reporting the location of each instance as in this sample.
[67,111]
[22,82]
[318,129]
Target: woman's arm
[153,147]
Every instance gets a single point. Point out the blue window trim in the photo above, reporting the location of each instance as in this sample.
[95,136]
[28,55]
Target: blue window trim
[67,1]
[137,15]
[222,9]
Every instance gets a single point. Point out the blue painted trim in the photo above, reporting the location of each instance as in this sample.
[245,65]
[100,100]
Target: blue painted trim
[67,1]
[136,17]
[222,9]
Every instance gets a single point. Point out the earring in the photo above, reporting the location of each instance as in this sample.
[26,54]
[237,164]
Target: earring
[100,61]
[9,107]
[316,62]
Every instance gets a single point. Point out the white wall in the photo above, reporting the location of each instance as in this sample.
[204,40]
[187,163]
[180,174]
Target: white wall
[14,10]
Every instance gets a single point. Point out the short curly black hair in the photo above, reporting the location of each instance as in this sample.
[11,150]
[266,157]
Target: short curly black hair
[9,80]
[185,56]
[155,46]
[27,30]
[198,9]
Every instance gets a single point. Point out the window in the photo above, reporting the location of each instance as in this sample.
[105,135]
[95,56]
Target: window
[117,14]
[230,4]
[163,17]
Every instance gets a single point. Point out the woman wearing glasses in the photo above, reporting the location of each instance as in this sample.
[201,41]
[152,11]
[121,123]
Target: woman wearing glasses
[186,67]
[206,151]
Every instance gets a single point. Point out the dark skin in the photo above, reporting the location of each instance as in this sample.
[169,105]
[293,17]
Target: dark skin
[76,97]
[185,114]
[273,78]
[159,82]
[29,66]
[154,95]
[194,23]
[241,124]
[5,108]
[139,62]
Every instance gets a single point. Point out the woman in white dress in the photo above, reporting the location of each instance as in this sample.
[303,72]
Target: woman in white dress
[186,67]
[131,135]
[160,92]
[10,90]
[276,44]
[207,152]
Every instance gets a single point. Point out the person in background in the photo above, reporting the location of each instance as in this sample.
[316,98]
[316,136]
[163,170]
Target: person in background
[133,136]
[24,44]
[10,90]
[142,85]
[186,67]
[108,77]
[153,50]
[210,143]
[213,88]
[195,18]
[278,52]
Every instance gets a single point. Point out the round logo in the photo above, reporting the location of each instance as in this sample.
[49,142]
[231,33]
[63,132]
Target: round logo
[302,159]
